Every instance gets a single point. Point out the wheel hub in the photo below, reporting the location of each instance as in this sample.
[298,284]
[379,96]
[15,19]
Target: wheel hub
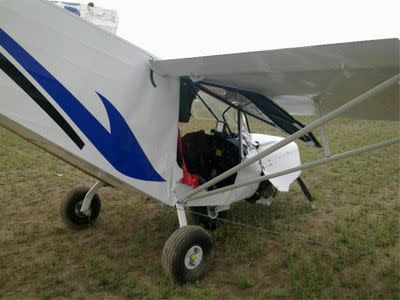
[193,257]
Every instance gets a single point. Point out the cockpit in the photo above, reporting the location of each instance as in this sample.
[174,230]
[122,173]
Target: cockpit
[208,154]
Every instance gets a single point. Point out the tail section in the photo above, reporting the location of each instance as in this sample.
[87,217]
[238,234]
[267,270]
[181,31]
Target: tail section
[91,100]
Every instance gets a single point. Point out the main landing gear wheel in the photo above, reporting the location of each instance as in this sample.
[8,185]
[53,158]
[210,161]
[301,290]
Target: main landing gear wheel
[187,254]
[71,205]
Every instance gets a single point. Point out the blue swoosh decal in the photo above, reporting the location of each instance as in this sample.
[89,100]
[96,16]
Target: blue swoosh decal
[119,147]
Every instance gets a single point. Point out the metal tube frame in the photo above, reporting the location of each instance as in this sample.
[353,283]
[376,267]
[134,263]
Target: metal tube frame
[239,114]
[317,123]
[180,210]
[301,167]
[324,134]
[325,141]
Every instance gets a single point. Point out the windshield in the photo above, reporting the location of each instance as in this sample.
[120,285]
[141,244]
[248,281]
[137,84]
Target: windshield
[216,111]
[258,106]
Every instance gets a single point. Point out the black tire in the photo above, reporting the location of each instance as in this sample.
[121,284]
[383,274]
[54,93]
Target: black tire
[199,216]
[180,244]
[71,204]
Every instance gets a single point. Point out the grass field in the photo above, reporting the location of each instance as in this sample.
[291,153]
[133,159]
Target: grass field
[352,249]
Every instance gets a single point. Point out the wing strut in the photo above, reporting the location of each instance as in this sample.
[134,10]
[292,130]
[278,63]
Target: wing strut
[324,134]
[317,123]
[299,168]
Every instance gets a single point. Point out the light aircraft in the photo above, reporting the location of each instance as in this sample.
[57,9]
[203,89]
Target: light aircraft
[113,110]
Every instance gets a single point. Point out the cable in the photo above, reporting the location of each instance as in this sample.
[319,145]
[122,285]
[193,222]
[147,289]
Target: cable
[282,234]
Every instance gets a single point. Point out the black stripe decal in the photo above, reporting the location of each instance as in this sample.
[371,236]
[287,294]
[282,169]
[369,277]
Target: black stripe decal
[39,98]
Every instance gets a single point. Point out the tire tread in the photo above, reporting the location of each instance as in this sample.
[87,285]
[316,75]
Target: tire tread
[176,241]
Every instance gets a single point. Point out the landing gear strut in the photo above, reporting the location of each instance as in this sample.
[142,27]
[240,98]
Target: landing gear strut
[188,252]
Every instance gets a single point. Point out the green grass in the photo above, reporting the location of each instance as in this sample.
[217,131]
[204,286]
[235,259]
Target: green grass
[354,232]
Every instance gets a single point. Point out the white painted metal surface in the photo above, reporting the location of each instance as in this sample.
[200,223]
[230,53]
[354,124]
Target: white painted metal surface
[285,158]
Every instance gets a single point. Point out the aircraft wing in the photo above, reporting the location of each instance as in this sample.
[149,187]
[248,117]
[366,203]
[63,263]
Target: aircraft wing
[306,81]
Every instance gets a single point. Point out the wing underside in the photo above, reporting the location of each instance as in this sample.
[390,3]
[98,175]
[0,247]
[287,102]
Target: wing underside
[308,81]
